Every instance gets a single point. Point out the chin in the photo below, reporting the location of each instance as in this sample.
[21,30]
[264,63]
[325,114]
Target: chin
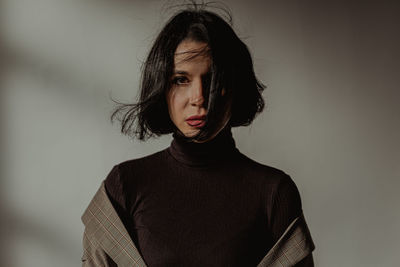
[190,133]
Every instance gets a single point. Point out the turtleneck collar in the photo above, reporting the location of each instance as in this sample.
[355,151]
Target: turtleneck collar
[215,150]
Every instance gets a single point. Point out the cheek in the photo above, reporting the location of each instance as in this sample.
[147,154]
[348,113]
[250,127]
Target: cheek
[176,104]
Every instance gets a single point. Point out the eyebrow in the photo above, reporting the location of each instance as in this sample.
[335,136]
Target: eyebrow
[187,73]
[181,72]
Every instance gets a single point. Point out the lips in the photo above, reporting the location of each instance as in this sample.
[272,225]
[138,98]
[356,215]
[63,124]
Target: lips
[196,121]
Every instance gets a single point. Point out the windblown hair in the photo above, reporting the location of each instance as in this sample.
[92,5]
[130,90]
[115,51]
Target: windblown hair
[231,69]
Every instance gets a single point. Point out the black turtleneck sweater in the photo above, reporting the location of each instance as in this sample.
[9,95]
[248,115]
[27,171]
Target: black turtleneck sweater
[202,204]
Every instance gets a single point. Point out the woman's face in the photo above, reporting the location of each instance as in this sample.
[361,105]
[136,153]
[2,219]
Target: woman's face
[185,98]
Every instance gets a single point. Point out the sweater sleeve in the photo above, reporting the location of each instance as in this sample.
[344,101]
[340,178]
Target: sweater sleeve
[286,206]
[114,186]
[114,189]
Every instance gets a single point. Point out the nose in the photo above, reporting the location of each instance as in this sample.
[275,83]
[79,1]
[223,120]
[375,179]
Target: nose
[196,94]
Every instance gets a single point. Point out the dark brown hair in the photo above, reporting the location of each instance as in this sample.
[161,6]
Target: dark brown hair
[231,68]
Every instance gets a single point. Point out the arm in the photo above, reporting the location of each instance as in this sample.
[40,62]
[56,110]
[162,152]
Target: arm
[106,242]
[93,253]
[114,186]
[286,207]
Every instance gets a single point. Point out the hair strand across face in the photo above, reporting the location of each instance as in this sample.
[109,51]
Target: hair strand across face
[231,71]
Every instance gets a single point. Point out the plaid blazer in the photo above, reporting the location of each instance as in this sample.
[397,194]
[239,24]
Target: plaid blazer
[107,243]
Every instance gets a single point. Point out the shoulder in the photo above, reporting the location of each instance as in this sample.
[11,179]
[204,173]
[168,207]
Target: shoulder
[136,165]
[276,182]
[270,174]
[124,172]
[143,162]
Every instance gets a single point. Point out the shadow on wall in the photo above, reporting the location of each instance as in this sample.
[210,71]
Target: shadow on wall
[25,239]
[16,228]
[5,239]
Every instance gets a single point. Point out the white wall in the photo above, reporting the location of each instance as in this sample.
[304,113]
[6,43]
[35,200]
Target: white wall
[331,122]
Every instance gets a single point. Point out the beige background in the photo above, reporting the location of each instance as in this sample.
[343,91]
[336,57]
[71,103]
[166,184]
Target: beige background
[332,120]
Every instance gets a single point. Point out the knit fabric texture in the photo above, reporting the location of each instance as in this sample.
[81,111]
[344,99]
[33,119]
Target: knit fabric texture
[202,204]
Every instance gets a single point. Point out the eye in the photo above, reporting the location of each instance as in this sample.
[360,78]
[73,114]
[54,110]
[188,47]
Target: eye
[180,80]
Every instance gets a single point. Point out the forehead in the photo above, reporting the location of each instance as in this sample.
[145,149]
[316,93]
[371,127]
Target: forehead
[190,52]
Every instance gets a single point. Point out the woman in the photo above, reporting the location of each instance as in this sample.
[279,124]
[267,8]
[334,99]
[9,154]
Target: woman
[199,202]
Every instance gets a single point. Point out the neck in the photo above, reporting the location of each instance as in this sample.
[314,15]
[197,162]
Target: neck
[213,151]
